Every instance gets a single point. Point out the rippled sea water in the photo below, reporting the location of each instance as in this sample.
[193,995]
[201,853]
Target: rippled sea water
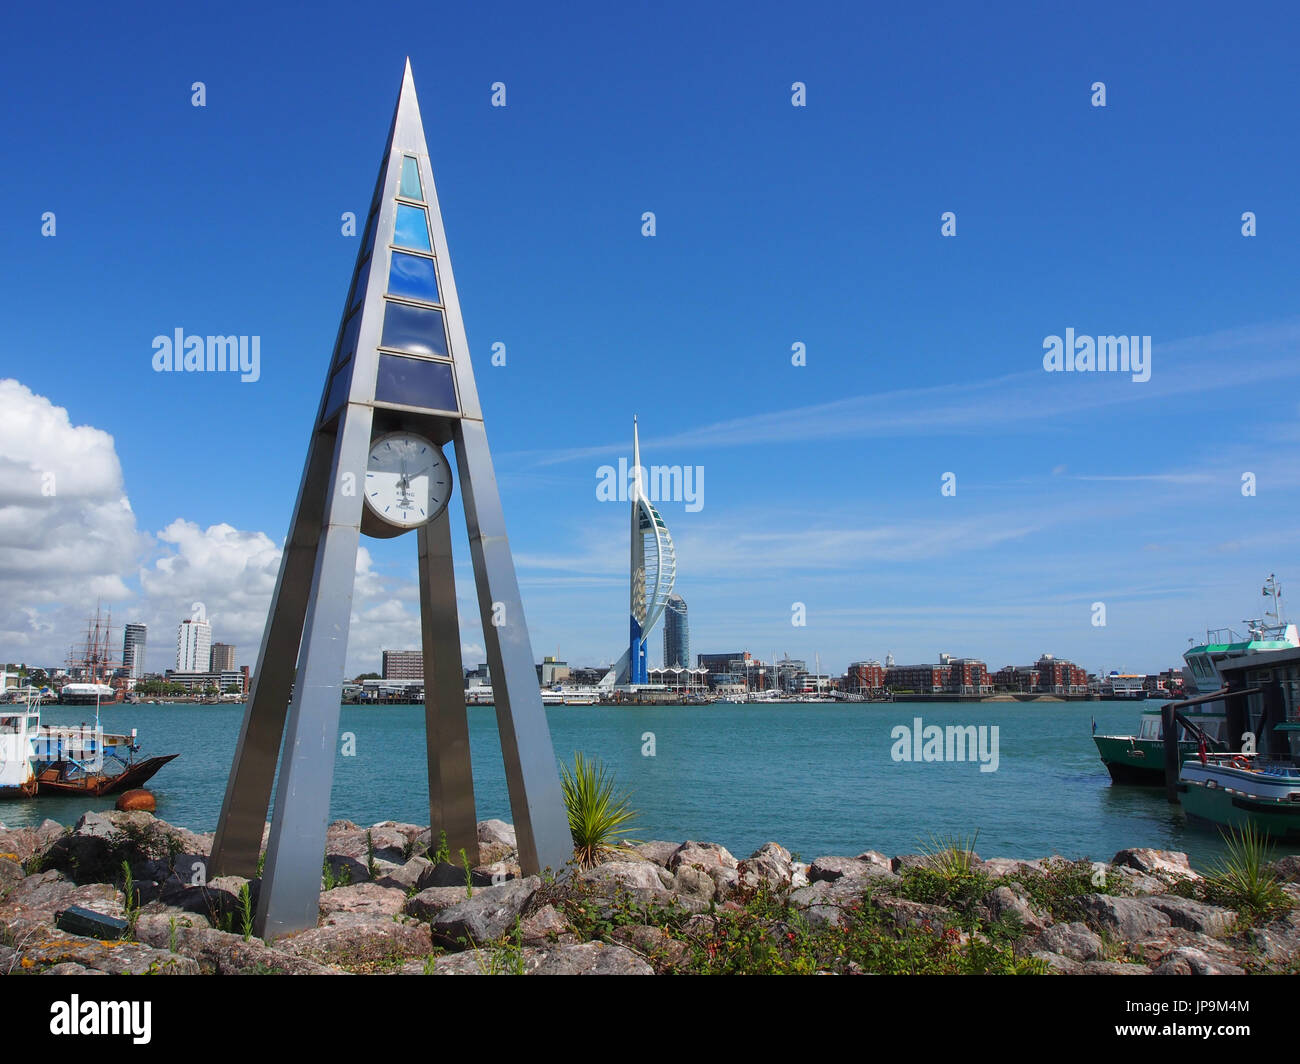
[819,779]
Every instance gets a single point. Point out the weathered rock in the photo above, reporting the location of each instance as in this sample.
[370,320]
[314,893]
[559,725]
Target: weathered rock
[654,944]
[703,855]
[10,873]
[1277,942]
[159,929]
[1166,865]
[1131,881]
[1287,867]
[1002,901]
[410,832]
[21,844]
[1194,915]
[694,883]
[49,947]
[218,900]
[825,902]
[1057,962]
[496,873]
[489,914]
[1127,919]
[69,968]
[406,876]
[38,897]
[546,926]
[726,881]
[369,899]
[345,839]
[360,942]
[587,958]
[496,841]
[1075,941]
[1114,968]
[220,953]
[829,869]
[346,870]
[1186,960]
[875,857]
[915,914]
[769,866]
[445,874]
[431,901]
[1005,867]
[658,852]
[641,882]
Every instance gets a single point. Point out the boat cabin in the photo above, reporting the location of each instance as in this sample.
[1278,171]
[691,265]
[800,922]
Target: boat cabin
[1269,707]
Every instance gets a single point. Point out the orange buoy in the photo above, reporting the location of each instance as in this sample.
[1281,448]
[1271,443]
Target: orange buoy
[137,800]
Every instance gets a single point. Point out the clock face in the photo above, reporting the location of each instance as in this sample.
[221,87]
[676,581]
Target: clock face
[408,480]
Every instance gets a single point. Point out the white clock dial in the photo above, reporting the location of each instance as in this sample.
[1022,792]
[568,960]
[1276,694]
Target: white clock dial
[408,480]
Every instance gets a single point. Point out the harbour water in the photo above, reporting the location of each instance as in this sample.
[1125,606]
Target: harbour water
[817,778]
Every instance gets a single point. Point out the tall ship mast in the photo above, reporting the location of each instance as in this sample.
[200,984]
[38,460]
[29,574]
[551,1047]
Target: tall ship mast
[91,665]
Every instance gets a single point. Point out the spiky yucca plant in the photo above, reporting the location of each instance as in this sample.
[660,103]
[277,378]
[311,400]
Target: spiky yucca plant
[1243,878]
[951,855]
[597,816]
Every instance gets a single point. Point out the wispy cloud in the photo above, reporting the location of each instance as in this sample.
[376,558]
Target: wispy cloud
[1009,403]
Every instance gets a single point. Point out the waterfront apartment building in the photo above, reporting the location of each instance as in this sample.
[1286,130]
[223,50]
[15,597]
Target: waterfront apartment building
[134,637]
[1060,677]
[1023,678]
[862,677]
[223,658]
[969,676]
[921,679]
[677,634]
[193,645]
[403,665]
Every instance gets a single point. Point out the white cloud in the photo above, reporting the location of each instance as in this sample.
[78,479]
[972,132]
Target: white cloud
[67,533]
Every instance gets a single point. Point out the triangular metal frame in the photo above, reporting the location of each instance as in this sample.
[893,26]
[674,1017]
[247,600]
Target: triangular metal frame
[311,607]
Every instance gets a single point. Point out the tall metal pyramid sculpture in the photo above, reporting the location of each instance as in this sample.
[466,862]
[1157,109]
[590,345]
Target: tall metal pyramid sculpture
[400,386]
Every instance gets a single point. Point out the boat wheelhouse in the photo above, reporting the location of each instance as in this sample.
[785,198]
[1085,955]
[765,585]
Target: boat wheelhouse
[19,727]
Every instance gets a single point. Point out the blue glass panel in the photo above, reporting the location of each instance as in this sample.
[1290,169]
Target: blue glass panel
[415,382]
[412,229]
[415,329]
[410,187]
[338,392]
[413,276]
[371,226]
[359,286]
[348,342]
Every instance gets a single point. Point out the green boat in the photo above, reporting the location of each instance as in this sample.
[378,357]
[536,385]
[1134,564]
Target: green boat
[1258,785]
[1140,759]
[1239,790]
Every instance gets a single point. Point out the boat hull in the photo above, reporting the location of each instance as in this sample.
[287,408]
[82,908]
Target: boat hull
[1139,762]
[1218,808]
[54,778]
[24,790]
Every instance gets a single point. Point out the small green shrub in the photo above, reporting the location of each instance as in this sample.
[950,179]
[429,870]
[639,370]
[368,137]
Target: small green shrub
[597,816]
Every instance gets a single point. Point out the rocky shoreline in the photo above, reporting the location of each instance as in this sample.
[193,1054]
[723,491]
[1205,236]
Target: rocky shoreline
[389,906]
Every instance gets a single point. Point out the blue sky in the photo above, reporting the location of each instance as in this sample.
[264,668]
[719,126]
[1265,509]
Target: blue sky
[775,225]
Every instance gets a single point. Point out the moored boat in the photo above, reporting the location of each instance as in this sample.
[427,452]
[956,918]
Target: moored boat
[1239,790]
[1140,758]
[19,727]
